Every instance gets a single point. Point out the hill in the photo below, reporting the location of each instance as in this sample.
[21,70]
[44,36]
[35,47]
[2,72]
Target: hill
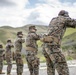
[7,32]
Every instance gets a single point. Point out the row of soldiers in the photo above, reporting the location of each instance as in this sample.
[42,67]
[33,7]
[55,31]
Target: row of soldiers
[8,55]
[51,47]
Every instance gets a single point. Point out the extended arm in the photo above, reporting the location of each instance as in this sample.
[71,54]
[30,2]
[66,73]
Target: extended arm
[71,23]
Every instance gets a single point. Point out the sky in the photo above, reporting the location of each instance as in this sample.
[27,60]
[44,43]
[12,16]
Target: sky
[17,13]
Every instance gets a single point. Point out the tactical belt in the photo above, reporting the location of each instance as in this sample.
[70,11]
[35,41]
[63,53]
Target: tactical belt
[18,52]
[51,39]
[30,48]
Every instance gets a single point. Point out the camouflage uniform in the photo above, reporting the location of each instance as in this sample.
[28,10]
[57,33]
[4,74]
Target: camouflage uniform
[18,55]
[51,49]
[8,53]
[31,51]
[1,58]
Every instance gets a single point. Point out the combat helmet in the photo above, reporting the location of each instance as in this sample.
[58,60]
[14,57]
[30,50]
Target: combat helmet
[63,13]
[19,33]
[8,40]
[32,27]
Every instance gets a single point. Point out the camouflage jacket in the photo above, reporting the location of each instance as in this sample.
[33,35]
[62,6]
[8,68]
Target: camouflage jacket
[58,26]
[1,52]
[31,40]
[18,44]
[8,49]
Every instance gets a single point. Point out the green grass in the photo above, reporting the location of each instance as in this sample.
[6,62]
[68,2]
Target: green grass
[69,31]
[69,58]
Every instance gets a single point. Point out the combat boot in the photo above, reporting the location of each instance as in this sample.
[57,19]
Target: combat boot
[2,72]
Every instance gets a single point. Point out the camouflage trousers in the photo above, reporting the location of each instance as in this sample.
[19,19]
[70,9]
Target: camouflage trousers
[55,60]
[1,63]
[19,63]
[9,63]
[33,62]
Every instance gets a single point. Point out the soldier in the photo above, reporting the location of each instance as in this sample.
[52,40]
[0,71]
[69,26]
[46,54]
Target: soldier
[8,53]
[52,43]
[31,51]
[1,58]
[18,48]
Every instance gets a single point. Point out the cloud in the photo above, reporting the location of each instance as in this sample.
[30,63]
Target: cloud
[71,1]
[13,15]
[4,3]
[17,14]
[50,8]
[33,17]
